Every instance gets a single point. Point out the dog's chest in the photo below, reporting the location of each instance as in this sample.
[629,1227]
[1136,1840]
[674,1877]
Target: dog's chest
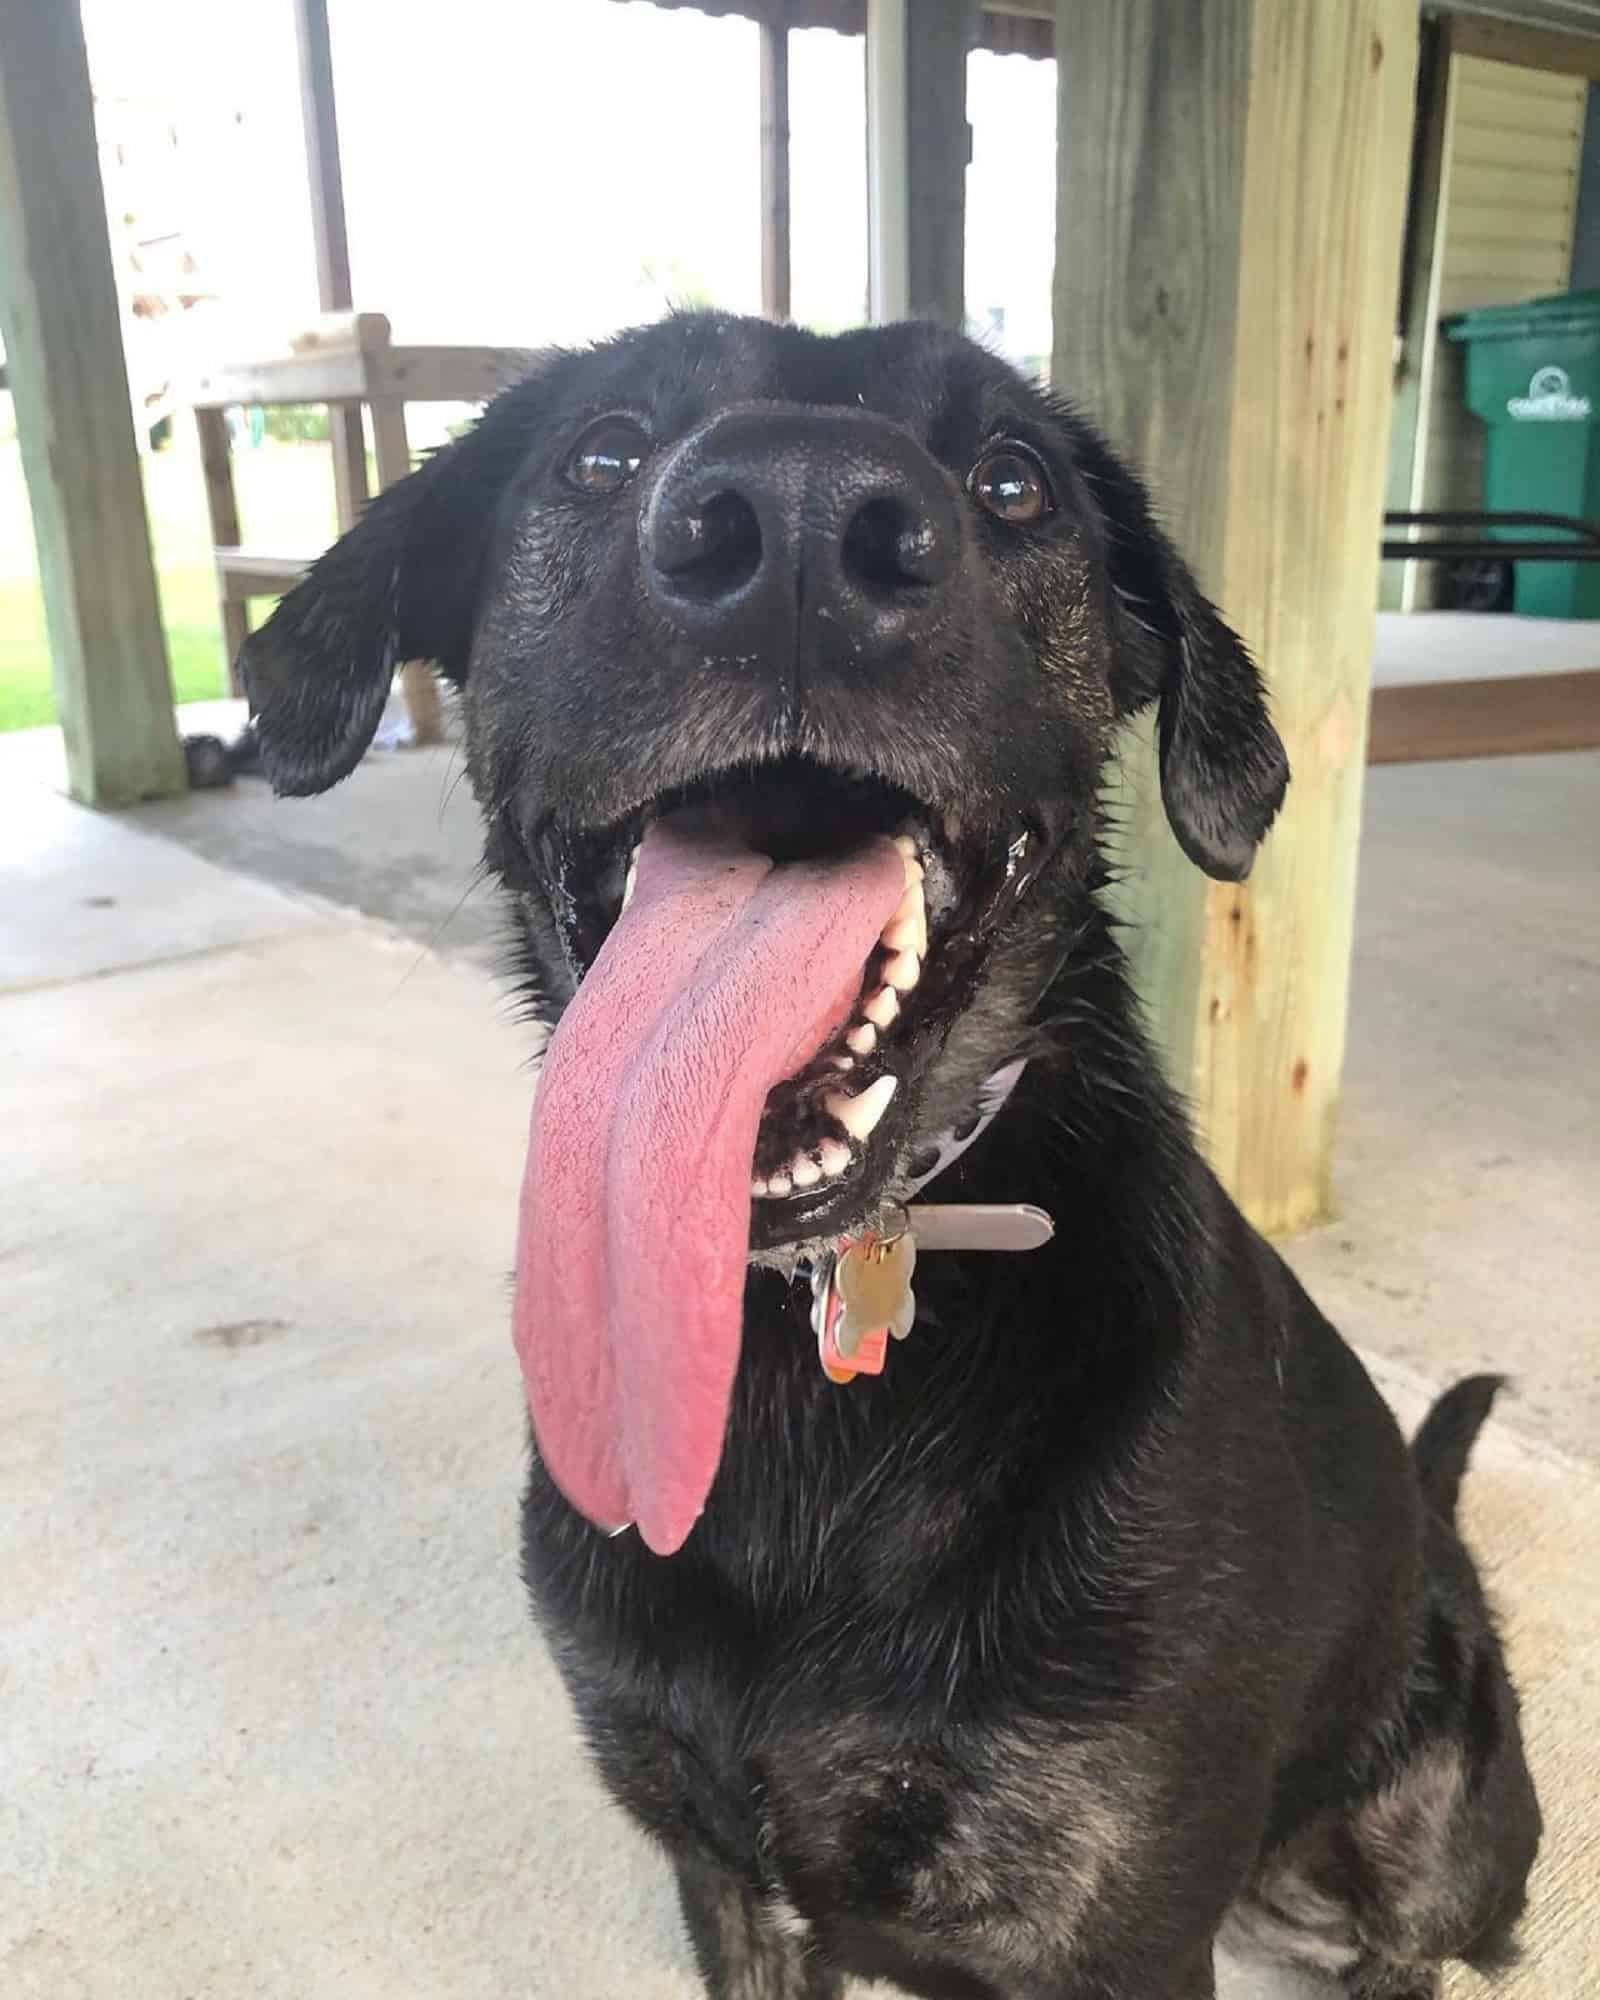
[854,1812]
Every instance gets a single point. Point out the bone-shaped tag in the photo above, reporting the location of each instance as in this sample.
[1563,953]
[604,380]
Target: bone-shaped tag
[873,1280]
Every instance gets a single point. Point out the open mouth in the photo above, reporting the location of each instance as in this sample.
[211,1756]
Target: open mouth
[828,1142]
[767,961]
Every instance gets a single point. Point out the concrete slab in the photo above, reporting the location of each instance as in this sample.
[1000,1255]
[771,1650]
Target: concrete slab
[81,893]
[277,1723]
[399,839]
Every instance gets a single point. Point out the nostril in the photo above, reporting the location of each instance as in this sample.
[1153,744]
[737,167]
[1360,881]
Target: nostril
[890,545]
[710,550]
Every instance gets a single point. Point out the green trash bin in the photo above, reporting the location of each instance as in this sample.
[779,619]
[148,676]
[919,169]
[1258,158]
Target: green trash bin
[1533,376]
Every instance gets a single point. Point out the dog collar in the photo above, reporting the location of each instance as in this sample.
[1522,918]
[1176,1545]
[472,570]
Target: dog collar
[861,1296]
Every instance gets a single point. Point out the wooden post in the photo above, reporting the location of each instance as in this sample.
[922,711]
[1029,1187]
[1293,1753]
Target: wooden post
[918,146]
[1232,189]
[938,150]
[320,118]
[63,336]
[222,509]
[775,297]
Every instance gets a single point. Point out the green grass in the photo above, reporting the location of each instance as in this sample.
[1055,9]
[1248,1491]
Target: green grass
[285,500]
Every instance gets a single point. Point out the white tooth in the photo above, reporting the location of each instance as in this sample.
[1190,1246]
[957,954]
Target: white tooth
[907,929]
[859,1115]
[778,1185]
[835,1157]
[803,1172]
[758,1188]
[843,1062]
[903,971]
[881,1009]
[863,1038]
[907,933]
[906,845]
[631,880]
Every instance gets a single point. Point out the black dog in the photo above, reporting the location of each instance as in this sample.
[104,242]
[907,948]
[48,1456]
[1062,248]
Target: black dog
[1112,1621]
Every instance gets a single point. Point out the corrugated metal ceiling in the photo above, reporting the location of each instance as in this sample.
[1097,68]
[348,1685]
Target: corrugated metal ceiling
[1027,27]
[1570,17]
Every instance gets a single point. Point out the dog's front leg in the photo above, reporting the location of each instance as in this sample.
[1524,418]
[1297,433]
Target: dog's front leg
[743,1949]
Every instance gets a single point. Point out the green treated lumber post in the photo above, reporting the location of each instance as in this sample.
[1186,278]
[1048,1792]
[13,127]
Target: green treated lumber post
[63,335]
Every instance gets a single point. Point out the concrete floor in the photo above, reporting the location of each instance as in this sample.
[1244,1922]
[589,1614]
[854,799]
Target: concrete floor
[276,1723]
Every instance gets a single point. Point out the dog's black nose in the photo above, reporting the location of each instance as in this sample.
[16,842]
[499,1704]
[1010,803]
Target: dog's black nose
[835,519]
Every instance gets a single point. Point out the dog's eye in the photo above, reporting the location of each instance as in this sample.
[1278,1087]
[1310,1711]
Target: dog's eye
[1011,483]
[607,456]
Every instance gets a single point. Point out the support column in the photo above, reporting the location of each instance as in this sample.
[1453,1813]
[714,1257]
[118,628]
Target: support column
[63,336]
[918,146]
[775,295]
[320,121]
[1232,194]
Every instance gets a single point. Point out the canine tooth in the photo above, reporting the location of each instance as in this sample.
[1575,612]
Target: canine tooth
[804,1172]
[881,1009]
[903,971]
[859,1115]
[758,1188]
[631,880]
[863,1038]
[778,1185]
[843,1062]
[906,845]
[834,1155]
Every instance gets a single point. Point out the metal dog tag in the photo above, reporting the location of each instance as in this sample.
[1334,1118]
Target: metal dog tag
[873,1279]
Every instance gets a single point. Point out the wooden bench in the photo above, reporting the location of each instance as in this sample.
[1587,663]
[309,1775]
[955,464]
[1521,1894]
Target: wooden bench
[345,361]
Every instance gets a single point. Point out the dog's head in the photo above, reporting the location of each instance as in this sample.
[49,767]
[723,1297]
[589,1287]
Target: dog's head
[733,607]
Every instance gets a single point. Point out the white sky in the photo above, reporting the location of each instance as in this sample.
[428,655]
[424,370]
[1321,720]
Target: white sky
[550,170]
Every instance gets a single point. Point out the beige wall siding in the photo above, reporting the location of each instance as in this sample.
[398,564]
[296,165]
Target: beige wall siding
[1512,151]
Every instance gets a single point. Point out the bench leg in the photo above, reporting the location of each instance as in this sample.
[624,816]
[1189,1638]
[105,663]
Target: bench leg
[418,688]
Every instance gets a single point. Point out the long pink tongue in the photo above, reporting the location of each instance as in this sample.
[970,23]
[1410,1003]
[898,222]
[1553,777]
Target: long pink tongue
[723,976]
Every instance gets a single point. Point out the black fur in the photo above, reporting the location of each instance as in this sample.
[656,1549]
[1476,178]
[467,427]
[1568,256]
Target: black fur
[1115,1618]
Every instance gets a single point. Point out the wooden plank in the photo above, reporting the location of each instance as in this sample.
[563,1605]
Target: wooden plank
[414,374]
[1531,48]
[63,338]
[1434,720]
[446,374]
[244,573]
[775,259]
[1229,236]
[300,378]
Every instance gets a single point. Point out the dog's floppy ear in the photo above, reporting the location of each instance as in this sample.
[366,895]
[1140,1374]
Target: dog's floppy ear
[403,584]
[1223,767]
